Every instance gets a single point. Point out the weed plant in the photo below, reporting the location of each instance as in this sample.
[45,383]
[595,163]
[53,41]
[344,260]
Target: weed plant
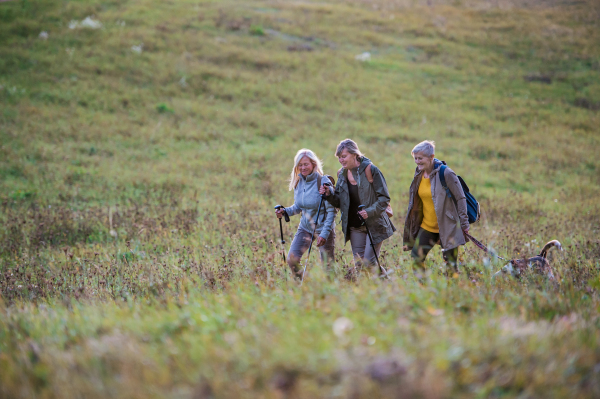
[140,162]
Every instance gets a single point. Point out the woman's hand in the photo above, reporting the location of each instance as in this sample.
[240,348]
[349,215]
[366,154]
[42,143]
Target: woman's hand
[279,212]
[363,214]
[324,190]
[320,241]
[465,232]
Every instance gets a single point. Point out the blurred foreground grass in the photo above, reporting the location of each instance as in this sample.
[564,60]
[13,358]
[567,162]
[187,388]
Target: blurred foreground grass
[139,163]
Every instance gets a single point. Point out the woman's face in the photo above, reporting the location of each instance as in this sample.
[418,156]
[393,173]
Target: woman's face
[423,161]
[348,160]
[305,166]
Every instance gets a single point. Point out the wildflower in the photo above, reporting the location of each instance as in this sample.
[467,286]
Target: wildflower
[341,326]
[366,56]
[43,35]
[90,23]
[137,49]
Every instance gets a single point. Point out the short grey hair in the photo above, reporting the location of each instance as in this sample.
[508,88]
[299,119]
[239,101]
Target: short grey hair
[350,146]
[426,148]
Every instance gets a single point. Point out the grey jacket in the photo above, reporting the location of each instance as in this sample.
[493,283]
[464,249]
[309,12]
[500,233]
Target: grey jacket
[452,218]
[375,197]
[306,201]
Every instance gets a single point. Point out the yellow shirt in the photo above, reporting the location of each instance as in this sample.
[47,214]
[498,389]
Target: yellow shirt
[430,222]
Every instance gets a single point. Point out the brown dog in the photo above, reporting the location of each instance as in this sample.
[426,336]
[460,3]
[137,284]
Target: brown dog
[538,264]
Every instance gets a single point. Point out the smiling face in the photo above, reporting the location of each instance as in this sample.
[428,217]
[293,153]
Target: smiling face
[348,160]
[305,166]
[423,161]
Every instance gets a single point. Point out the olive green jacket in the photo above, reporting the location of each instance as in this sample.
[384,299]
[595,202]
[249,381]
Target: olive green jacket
[375,196]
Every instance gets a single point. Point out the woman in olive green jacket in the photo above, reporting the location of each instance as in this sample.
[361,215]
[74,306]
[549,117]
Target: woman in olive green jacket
[354,188]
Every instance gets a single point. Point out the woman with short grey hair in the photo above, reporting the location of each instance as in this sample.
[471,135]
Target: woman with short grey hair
[433,217]
[360,182]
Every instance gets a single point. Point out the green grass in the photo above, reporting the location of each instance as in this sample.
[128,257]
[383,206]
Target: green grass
[139,254]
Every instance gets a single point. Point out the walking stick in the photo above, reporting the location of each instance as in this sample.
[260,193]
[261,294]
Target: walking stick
[312,237]
[287,219]
[361,208]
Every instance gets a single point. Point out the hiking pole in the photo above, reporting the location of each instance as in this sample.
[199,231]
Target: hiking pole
[287,219]
[312,237]
[362,208]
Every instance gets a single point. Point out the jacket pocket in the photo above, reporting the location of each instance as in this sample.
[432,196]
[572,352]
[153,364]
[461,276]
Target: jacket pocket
[450,215]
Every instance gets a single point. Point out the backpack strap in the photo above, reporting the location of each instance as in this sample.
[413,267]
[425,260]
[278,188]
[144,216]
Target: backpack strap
[318,181]
[369,174]
[443,181]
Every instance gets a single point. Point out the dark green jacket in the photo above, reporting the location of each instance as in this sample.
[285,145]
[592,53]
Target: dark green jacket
[375,197]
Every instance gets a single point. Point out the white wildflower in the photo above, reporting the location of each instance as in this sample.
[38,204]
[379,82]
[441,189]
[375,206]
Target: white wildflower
[366,56]
[90,23]
[341,326]
[137,49]
[43,35]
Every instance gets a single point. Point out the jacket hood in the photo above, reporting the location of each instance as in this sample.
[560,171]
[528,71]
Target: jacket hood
[310,177]
[363,164]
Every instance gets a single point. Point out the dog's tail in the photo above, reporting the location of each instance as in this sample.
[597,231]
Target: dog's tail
[550,244]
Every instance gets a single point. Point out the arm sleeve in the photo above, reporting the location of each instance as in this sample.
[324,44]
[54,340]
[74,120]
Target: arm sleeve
[294,209]
[330,212]
[383,195]
[459,195]
[334,197]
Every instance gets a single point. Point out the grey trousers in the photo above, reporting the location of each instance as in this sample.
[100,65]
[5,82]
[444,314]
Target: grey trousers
[361,246]
[301,243]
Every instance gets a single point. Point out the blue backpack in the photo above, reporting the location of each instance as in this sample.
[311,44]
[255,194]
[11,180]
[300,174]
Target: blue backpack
[473,209]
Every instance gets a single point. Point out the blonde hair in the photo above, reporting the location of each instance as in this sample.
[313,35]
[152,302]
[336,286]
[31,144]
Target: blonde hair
[426,148]
[350,146]
[305,152]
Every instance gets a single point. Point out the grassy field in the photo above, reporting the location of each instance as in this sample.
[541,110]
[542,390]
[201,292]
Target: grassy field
[140,160]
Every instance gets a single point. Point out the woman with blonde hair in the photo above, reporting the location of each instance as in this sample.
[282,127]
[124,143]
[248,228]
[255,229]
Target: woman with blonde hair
[360,182]
[305,180]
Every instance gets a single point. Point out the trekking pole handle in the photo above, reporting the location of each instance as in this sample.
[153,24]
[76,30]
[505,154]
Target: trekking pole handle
[360,209]
[325,185]
[285,215]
